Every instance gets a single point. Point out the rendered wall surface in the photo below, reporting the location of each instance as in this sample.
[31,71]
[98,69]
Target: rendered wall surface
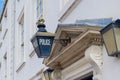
[94,9]
[85,9]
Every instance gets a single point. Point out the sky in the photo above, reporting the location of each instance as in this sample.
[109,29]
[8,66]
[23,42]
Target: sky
[1,5]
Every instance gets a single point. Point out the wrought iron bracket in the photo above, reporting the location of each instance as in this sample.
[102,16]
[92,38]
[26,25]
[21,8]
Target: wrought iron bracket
[63,42]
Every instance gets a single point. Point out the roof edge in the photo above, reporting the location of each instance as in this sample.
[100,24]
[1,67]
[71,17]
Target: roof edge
[74,24]
[4,6]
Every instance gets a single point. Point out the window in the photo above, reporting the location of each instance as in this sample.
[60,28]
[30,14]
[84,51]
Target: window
[39,8]
[21,25]
[88,76]
[20,56]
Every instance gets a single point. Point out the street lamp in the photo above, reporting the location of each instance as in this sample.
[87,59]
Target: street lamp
[47,74]
[111,38]
[42,41]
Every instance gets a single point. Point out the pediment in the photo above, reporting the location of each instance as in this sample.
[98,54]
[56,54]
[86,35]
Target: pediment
[82,36]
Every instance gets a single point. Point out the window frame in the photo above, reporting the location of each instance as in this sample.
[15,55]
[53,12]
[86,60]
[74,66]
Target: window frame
[21,53]
[40,8]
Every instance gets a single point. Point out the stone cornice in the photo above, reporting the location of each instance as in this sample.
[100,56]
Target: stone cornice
[82,38]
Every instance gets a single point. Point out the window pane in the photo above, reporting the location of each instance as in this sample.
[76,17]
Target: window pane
[109,41]
[39,8]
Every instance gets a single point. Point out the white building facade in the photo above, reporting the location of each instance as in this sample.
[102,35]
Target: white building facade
[75,10]
[18,60]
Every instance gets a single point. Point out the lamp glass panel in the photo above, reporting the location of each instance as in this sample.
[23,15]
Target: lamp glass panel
[117,36]
[36,46]
[35,43]
[45,44]
[109,41]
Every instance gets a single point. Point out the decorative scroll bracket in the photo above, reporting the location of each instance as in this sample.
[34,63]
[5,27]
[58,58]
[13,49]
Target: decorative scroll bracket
[94,56]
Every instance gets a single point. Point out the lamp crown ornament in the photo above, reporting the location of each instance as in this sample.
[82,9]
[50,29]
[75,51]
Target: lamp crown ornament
[40,21]
[41,26]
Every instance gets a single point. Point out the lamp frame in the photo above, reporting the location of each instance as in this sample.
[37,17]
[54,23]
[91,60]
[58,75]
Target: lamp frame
[43,51]
[112,26]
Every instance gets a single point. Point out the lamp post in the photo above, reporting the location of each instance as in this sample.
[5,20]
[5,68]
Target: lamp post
[42,41]
[111,38]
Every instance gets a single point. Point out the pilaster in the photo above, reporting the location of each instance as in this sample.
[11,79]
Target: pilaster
[12,39]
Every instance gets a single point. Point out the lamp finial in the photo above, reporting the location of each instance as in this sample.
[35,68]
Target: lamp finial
[40,21]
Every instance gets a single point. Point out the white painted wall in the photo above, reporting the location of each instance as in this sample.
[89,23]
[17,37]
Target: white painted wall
[94,9]
[111,67]
[51,11]
[33,64]
[6,45]
[86,9]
